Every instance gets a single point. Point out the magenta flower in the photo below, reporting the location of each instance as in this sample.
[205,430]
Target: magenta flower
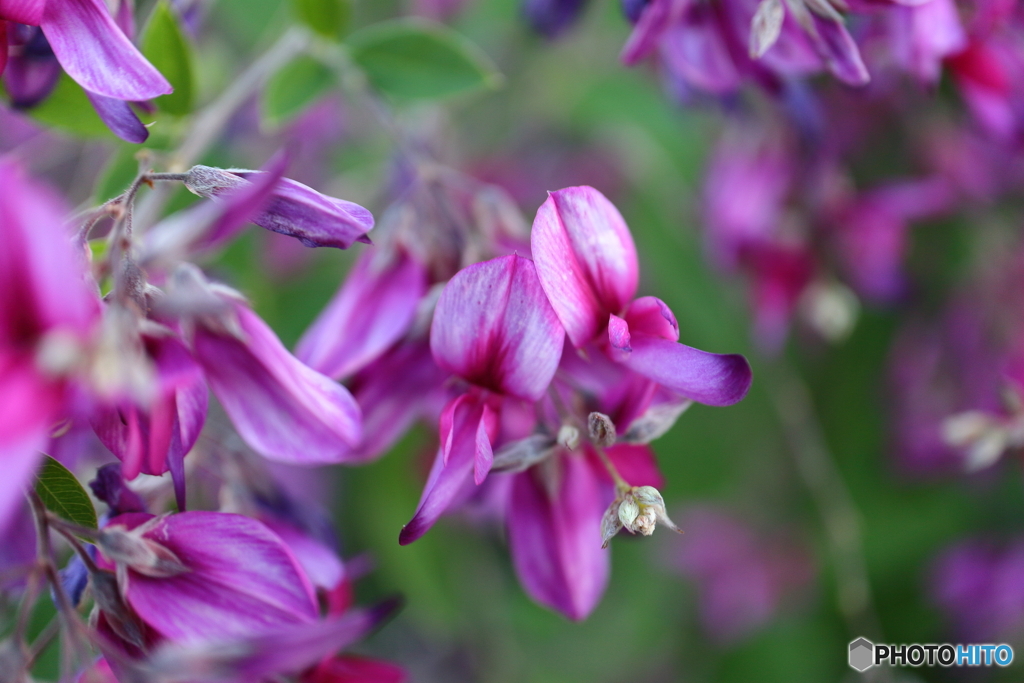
[587,265]
[88,43]
[47,312]
[494,328]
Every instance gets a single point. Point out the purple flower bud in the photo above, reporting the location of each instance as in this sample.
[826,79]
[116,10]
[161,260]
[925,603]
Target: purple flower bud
[292,209]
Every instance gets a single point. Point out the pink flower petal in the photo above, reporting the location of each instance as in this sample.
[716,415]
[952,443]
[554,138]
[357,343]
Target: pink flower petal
[371,311]
[554,535]
[494,327]
[586,260]
[94,52]
[119,117]
[242,580]
[839,51]
[281,408]
[656,17]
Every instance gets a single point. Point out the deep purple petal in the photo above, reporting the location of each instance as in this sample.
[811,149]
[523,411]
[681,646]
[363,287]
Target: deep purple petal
[242,581]
[96,54]
[120,118]
[313,218]
[494,327]
[554,534]
[586,260]
[281,408]
[371,311]
[837,48]
[29,79]
[710,378]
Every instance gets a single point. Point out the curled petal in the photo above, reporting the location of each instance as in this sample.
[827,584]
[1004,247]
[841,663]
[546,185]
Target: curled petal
[650,315]
[710,378]
[586,259]
[119,117]
[94,52]
[281,408]
[370,312]
[453,479]
[494,327]
[554,533]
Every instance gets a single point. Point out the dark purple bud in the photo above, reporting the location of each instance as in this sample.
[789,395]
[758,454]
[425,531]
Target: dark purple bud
[109,487]
[551,17]
[633,9]
[75,577]
[32,71]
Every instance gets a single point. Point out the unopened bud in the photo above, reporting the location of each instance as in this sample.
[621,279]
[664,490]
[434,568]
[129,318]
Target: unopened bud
[602,429]
[641,509]
[206,181]
[568,437]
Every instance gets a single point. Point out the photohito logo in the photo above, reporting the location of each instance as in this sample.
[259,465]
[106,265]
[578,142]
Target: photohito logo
[864,654]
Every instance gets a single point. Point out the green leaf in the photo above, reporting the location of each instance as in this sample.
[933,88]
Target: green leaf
[63,495]
[293,88]
[68,108]
[164,44]
[417,59]
[329,18]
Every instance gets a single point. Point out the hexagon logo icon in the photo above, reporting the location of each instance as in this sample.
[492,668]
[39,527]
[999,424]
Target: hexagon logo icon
[862,653]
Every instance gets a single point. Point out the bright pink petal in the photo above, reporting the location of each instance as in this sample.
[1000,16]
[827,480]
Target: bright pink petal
[281,408]
[636,464]
[94,52]
[586,260]
[243,580]
[710,378]
[493,326]
[22,11]
[371,311]
[3,46]
[839,51]
[650,315]
[554,534]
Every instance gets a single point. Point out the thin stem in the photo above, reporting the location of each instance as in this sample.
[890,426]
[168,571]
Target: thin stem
[179,177]
[83,554]
[836,507]
[621,485]
[40,643]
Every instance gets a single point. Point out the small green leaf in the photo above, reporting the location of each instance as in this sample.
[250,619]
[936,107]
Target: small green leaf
[63,495]
[164,44]
[329,18]
[69,109]
[293,88]
[417,59]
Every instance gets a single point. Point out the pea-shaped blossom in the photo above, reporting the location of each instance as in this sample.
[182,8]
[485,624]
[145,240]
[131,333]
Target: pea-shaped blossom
[587,265]
[494,328]
[88,43]
[47,316]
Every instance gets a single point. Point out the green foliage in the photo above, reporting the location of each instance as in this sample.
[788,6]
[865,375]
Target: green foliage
[68,109]
[411,59]
[164,44]
[63,495]
[329,18]
[293,88]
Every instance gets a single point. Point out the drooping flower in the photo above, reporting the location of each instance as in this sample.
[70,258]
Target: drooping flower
[587,266]
[493,327]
